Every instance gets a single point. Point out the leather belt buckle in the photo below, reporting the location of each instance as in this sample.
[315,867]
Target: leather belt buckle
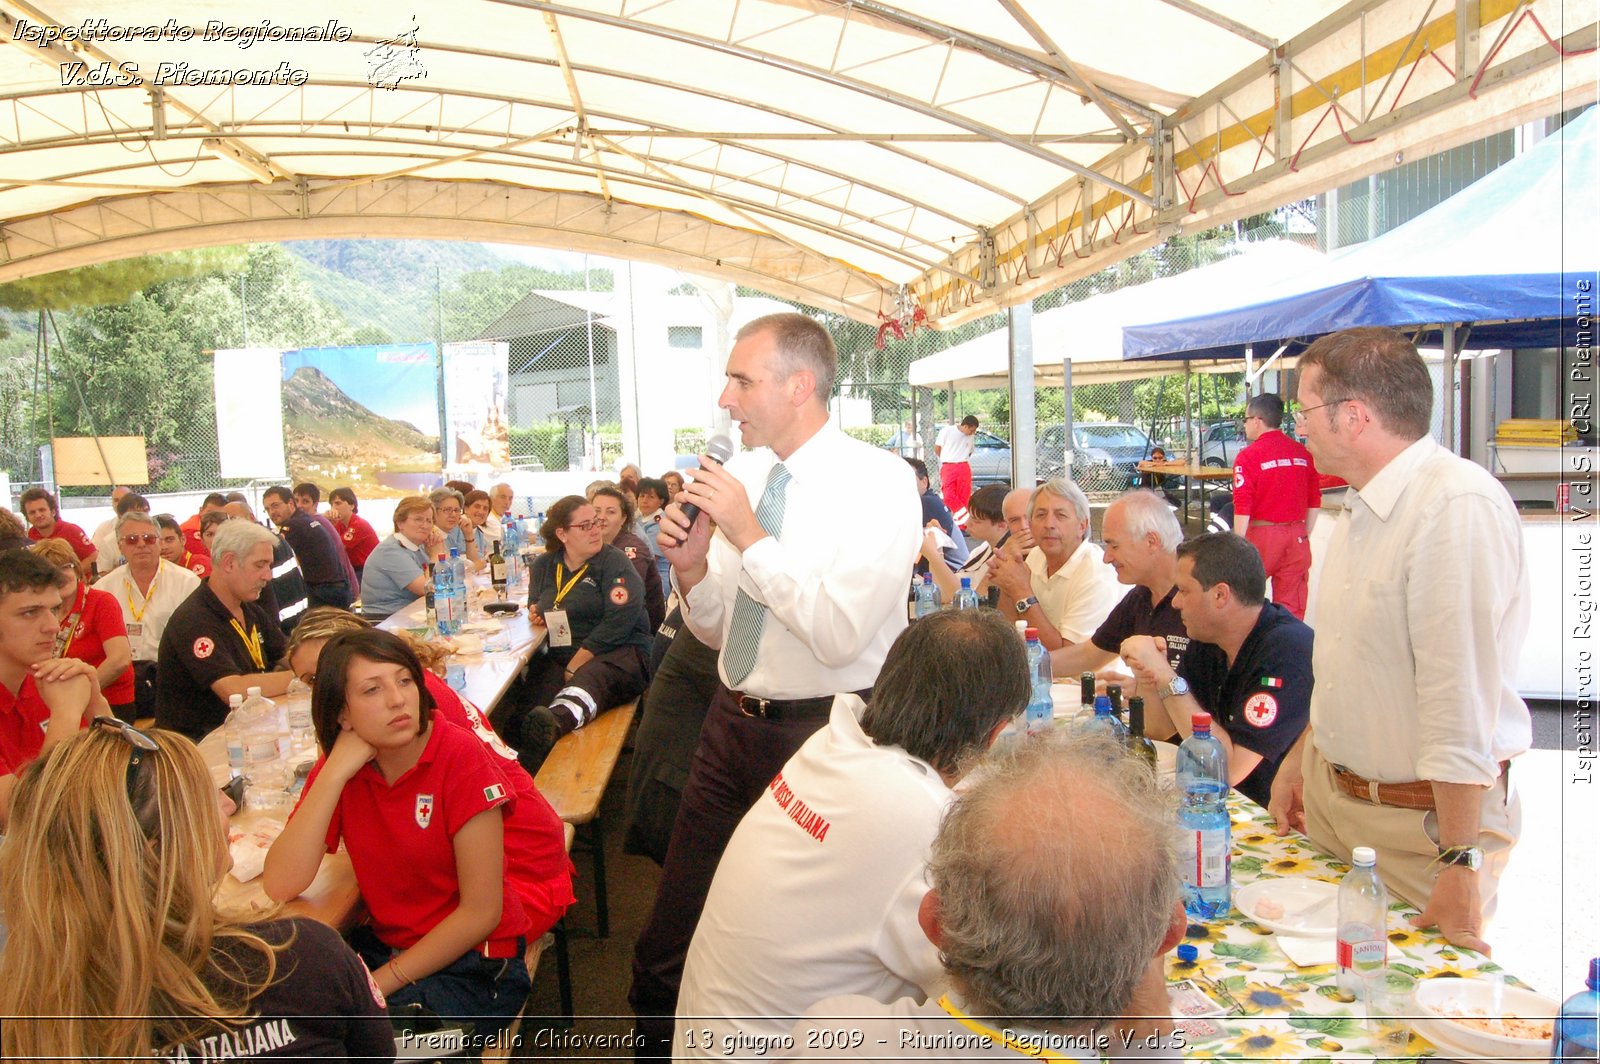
[751,706]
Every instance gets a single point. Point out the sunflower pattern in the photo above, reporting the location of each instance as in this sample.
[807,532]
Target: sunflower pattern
[1279,1011]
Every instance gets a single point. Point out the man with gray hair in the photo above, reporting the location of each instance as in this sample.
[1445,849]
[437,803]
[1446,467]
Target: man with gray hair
[1054,898]
[838,842]
[1061,587]
[149,589]
[1140,535]
[220,642]
[500,499]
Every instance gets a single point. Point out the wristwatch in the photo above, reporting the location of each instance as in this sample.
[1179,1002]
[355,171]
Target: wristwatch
[1024,605]
[1173,687]
[1470,857]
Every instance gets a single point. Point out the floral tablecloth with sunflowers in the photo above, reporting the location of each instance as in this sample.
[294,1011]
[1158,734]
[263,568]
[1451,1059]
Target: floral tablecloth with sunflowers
[1280,1010]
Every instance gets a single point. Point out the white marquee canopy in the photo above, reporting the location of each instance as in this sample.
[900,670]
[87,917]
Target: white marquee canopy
[865,156]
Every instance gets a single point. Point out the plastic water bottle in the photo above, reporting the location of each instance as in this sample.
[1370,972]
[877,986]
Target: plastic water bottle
[927,597]
[1040,714]
[302,734]
[458,584]
[1104,722]
[233,735]
[444,597]
[1363,943]
[1206,836]
[258,720]
[1576,1036]
[534,539]
[512,549]
[966,598]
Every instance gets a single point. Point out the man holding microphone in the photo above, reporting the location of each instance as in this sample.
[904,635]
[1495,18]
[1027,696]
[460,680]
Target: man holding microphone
[798,613]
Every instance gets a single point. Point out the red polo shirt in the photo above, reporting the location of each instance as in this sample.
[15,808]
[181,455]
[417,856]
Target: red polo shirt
[1274,479]
[400,838]
[23,720]
[70,534]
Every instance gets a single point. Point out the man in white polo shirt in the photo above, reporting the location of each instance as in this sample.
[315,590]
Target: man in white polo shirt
[818,891]
[1063,587]
[954,449]
[148,588]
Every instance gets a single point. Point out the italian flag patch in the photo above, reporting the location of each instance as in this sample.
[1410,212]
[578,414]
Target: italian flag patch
[1271,681]
[494,794]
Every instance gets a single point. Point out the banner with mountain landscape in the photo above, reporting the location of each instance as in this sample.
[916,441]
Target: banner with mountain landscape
[365,416]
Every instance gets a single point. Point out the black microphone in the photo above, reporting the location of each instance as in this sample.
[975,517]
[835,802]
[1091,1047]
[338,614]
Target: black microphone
[719,447]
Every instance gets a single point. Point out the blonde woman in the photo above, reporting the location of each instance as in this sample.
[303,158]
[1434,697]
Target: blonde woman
[116,845]
[396,573]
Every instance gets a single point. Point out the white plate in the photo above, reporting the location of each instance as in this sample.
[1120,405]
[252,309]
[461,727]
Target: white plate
[1297,897]
[1437,998]
[1436,1031]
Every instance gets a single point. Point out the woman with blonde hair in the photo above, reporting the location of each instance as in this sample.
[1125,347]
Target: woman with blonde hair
[108,875]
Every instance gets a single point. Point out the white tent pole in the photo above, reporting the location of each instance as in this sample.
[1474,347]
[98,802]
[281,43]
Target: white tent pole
[1024,468]
[1447,389]
[1066,413]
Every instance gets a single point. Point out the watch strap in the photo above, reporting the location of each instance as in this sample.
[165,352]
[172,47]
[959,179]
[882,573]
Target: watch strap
[1024,605]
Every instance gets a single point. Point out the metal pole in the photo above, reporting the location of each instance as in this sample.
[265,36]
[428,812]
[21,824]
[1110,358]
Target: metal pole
[594,401]
[1024,467]
[1447,389]
[438,373]
[1066,413]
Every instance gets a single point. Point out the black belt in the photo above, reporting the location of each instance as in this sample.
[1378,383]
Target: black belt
[788,708]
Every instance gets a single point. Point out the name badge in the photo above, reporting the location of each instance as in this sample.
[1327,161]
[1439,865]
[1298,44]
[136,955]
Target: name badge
[559,627]
[135,631]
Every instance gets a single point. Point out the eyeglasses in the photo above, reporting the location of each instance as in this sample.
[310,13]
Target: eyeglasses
[1300,415]
[585,526]
[138,743]
[148,539]
[449,509]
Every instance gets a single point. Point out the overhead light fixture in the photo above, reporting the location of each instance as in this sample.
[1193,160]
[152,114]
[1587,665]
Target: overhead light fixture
[256,166]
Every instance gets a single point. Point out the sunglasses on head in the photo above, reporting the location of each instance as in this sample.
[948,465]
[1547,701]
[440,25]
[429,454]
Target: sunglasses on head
[147,538]
[138,744]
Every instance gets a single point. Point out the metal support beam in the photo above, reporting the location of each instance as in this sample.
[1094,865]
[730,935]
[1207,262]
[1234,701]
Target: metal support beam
[1024,431]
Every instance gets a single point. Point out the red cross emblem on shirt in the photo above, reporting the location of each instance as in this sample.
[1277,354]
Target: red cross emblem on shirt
[424,810]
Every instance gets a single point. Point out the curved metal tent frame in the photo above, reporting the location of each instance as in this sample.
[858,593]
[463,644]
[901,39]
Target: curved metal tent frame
[871,158]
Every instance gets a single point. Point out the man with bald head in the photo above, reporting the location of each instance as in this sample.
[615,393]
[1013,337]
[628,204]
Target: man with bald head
[1054,899]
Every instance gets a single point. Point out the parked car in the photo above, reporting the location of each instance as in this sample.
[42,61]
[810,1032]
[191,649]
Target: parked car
[1221,443]
[1105,454]
[991,455]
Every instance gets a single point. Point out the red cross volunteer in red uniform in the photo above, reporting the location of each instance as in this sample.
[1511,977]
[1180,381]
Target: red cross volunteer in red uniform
[1276,497]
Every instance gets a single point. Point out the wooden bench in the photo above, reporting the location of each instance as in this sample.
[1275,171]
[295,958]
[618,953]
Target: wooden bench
[573,780]
[503,1048]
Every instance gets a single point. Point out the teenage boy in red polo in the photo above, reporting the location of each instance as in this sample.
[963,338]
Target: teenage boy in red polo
[42,699]
[44,522]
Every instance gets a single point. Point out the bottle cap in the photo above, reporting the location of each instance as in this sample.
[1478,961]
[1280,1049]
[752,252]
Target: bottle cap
[235,700]
[441,557]
[1188,954]
[1200,722]
[1102,704]
[1363,855]
[1029,631]
[1594,973]
[1136,702]
[1022,629]
[966,581]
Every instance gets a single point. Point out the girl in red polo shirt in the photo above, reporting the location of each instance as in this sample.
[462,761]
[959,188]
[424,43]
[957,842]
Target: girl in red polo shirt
[454,868]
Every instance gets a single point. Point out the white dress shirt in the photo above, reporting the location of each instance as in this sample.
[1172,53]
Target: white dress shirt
[1422,611]
[955,445]
[107,550]
[1080,595]
[836,601]
[146,618]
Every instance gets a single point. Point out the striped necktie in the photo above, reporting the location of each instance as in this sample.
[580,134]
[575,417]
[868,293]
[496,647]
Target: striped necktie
[750,616]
